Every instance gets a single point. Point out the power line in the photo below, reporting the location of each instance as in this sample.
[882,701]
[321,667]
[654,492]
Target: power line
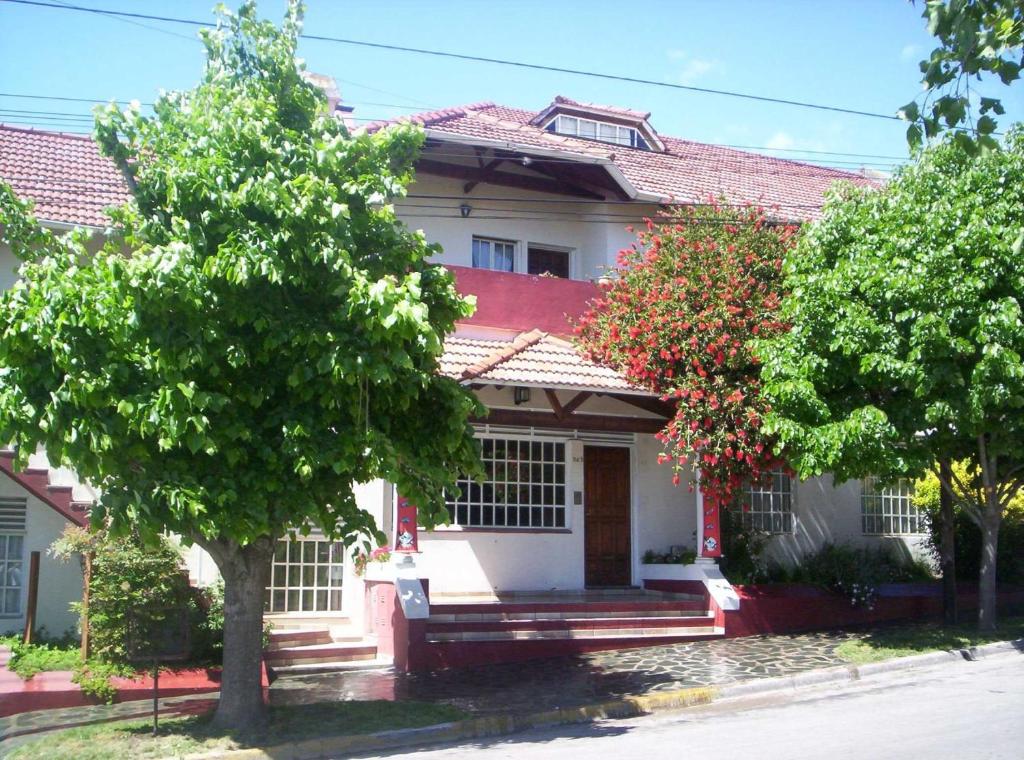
[415,108]
[483,59]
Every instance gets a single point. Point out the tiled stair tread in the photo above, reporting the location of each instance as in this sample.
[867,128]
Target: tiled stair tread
[578,635]
[473,617]
[633,624]
[639,597]
[322,652]
[584,607]
[336,666]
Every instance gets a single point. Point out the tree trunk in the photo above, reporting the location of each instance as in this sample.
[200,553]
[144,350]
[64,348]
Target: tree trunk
[987,576]
[947,550]
[246,572]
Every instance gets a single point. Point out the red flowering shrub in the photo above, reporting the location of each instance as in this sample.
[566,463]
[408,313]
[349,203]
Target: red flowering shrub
[678,317]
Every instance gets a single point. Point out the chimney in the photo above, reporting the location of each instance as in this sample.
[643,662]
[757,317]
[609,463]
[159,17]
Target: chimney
[333,94]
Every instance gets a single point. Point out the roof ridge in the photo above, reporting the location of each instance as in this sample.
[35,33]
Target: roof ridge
[434,116]
[35,131]
[500,355]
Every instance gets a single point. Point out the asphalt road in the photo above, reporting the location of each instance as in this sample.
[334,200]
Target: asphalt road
[961,711]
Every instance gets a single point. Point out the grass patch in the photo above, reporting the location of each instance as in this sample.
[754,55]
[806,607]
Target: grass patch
[902,641]
[182,736]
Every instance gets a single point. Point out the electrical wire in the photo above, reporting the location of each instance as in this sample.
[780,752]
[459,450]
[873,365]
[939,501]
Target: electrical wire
[483,59]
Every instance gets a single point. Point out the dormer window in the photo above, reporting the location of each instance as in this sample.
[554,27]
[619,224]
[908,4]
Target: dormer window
[590,129]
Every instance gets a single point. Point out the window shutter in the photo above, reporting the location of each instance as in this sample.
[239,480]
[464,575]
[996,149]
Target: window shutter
[12,513]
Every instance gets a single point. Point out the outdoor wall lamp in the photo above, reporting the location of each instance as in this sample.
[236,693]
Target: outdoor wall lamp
[465,209]
[520,395]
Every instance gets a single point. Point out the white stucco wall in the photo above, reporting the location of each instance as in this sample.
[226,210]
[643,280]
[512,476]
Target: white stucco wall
[823,513]
[583,229]
[59,583]
[8,267]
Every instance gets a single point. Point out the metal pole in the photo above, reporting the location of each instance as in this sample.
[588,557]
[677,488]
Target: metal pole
[156,695]
[33,597]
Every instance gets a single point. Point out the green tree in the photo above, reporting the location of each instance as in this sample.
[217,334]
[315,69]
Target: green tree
[907,335]
[977,38]
[261,335]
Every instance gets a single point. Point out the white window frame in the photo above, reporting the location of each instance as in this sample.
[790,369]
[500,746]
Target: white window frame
[769,507]
[490,241]
[13,516]
[293,562]
[569,252]
[888,510]
[628,137]
[472,501]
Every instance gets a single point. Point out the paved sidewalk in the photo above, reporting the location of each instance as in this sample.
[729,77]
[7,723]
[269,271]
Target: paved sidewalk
[528,687]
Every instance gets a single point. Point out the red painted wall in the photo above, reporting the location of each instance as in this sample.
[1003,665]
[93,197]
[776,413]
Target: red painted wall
[522,301]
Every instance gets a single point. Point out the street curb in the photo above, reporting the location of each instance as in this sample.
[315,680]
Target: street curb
[632,707]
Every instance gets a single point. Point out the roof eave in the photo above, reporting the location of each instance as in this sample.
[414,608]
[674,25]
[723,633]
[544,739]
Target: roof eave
[609,165]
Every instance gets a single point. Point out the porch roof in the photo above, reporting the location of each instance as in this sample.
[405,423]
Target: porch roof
[533,358]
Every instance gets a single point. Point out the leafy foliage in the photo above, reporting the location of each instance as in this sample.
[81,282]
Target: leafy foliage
[677,318]
[854,572]
[129,577]
[907,335]
[967,536]
[29,659]
[976,38]
[273,335]
[258,334]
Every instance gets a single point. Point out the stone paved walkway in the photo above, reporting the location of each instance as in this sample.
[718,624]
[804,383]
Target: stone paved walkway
[573,681]
[508,688]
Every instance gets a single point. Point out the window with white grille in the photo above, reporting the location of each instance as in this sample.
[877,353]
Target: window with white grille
[12,554]
[524,487]
[769,505]
[306,576]
[888,509]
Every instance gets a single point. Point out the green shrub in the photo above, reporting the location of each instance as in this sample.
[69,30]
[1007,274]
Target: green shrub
[29,659]
[855,572]
[93,677]
[742,549]
[132,578]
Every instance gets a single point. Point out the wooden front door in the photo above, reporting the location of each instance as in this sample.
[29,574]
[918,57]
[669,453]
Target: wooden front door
[606,515]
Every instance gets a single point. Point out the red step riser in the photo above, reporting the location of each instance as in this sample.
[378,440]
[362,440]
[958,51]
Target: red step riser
[451,654]
[501,607]
[592,624]
[338,654]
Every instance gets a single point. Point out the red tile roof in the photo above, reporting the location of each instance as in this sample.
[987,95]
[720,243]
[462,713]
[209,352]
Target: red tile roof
[64,175]
[533,358]
[685,172]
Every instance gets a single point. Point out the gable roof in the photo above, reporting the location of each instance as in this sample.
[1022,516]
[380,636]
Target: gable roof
[531,358]
[64,175]
[685,172]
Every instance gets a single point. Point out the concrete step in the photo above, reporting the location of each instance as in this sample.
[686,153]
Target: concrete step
[505,616]
[576,624]
[292,637]
[555,609]
[320,653]
[377,664]
[627,636]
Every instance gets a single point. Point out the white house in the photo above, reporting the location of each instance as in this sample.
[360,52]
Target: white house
[530,208]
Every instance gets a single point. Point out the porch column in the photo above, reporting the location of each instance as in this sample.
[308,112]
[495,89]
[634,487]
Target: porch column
[709,534]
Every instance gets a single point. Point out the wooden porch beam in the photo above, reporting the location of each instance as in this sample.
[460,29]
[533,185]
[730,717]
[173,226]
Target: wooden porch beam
[575,402]
[648,404]
[522,182]
[596,422]
[556,405]
[486,170]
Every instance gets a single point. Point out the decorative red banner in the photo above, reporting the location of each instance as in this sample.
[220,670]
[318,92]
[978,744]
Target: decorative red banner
[406,535]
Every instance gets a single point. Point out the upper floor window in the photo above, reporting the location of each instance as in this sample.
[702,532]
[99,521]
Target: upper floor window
[769,505]
[523,487]
[545,261]
[494,254]
[889,509]
[598,130]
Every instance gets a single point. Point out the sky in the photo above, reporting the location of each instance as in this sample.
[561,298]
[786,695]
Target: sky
[858,54]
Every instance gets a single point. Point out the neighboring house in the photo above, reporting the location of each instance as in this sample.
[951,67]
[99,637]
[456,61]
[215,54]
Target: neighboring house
[530,209]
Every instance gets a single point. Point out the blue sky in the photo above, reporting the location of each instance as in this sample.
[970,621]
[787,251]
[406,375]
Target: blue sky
[858,54]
